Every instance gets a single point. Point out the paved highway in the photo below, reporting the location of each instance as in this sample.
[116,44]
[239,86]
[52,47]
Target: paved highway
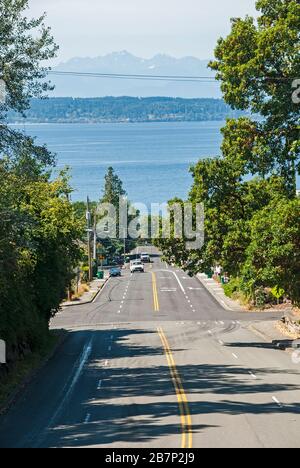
[155,362]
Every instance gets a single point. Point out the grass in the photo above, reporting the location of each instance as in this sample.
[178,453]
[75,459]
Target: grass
[24,368]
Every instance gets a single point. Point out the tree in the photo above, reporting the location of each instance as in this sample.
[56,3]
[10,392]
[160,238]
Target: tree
[251,209]
[113,188]
[273,256]
[257,65]
[38,251]
[24,44]
[38,227]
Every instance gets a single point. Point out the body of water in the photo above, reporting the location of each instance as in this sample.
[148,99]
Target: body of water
[152,159]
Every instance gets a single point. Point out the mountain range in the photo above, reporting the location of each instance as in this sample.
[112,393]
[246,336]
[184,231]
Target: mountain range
[126,63]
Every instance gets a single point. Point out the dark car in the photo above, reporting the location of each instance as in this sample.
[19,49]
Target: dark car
[114,272]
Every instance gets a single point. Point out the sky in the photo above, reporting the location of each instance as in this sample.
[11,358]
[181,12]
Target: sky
[90,28]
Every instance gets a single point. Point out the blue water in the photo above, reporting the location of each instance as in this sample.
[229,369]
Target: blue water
[152,159]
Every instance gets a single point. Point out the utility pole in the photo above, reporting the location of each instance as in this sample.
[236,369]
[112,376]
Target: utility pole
[88,220]
[124,246]
[95,239]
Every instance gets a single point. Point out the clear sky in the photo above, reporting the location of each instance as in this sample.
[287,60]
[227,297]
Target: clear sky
[143,27]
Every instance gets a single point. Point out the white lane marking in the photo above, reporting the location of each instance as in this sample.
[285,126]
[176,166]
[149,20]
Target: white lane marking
[221,342]
[235,356]
[99,385]
[276,401]
[253,375]
[87,419]
[195,289]
[109,348]
[209,332]
[82,361]
[112,337]
[221,322]
[179,282]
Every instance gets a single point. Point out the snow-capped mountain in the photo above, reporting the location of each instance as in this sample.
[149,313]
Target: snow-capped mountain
[126,63]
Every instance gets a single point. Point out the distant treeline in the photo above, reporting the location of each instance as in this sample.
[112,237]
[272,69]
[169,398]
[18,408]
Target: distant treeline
[124,109]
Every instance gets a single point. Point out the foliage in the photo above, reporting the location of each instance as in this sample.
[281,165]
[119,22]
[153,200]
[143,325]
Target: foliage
[24,44]
[273,255]
[257,65]
[38,227]
[125,109]
[232,287]
[251,209]
[38,252]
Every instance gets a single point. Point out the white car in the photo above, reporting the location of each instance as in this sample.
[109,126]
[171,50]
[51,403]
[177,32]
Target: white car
[145,258]
[137,266]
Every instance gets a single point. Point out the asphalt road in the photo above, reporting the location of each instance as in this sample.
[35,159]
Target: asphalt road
[155,362]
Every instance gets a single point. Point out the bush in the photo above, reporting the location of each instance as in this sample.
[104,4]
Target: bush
[234,286]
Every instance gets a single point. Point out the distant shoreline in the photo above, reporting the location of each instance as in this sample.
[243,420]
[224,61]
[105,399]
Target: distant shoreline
[123,110]
[31,122]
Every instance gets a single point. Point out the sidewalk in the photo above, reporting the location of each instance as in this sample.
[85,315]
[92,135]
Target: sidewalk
[88,297]
[217,291]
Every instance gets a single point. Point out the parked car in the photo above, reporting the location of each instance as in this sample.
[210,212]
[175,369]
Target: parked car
[137,266]
[114,272]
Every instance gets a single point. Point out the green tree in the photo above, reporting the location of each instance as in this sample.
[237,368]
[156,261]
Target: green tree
[257,65]
[38,251]
[24,44]
[113,188]
[273,255]
[38,227]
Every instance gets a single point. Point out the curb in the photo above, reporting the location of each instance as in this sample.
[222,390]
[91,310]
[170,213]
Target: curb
[237,309]
[219,299]
[76,304]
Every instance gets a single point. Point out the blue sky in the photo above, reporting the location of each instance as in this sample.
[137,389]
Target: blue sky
[143,27]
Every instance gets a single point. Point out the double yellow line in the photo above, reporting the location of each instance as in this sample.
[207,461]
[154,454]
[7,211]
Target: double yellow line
[155,294]
[185,415]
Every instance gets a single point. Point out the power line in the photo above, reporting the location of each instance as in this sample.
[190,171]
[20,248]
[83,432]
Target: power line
[120,76]
[170,78]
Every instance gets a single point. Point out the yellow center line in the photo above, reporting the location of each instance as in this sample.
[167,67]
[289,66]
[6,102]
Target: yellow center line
[185,415]
[155,294]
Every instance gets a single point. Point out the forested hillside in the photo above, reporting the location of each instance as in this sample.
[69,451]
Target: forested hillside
[125,109]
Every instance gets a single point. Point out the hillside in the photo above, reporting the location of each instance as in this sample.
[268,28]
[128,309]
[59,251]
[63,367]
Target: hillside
[124,109]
